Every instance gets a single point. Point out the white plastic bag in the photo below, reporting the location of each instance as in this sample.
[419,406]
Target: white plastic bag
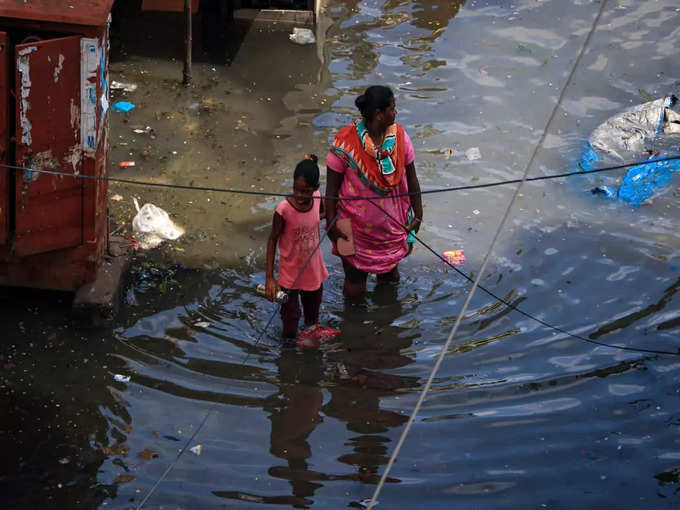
[302,36]
[152,226]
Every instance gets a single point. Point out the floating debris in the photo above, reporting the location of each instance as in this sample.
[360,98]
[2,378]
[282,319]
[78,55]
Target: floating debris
[152,225]
[454,257]
[122,106]
[123,478]
[302,36]
[473,153]
[196,449]
[125,87]
[147,454]
[121,378]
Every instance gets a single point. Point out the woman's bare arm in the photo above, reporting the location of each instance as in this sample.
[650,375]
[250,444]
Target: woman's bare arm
[416,199]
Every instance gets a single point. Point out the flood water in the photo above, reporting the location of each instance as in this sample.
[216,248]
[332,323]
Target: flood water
[519,416]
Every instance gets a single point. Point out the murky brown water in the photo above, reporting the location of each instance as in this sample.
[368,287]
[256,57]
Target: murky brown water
[519,416]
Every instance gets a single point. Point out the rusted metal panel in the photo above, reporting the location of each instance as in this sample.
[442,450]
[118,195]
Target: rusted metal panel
[168,5]
[48,209]
[77,12]
[4,137]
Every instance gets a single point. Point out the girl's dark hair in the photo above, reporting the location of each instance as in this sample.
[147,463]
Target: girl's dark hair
[309,170]
[376,97]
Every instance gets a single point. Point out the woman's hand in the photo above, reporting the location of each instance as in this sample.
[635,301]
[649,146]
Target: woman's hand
[271,288]
[415,225]
[334,233]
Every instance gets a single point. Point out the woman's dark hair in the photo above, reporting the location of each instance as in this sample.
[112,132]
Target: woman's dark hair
[309,170]
[376,97]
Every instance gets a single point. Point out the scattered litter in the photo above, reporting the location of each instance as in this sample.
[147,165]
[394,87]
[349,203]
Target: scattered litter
[64,461]
[125,164]
[130,298]
[473,153]
[365,502]
[343,374]
[302,36]
[196,449]
[152,226]
[117,197]
[454,257]
[121,378]
[149,275]
[147,454]
[280,295]
[314,336]
[126,87]
[142,130]
[448,153]
[122,106]
[607,191]
[133,243]
[193,106]
[202,324]
[649,130]
[123,478]
[475,212]
[644,182]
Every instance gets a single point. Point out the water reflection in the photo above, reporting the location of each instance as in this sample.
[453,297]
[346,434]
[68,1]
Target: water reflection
[294,414]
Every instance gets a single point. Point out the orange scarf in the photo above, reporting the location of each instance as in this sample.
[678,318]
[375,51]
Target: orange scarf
[347,146]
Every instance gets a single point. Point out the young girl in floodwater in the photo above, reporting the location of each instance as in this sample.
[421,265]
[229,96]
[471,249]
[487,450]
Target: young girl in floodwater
[295,228]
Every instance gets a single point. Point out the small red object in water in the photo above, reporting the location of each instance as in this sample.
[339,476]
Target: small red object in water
[454,257]
[312,338]
[124,164]
[133,242]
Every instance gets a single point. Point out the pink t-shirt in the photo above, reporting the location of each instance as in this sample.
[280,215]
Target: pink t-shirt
[298,241]
[379,242]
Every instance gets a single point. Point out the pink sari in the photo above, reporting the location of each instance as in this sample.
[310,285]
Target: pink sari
[379,243]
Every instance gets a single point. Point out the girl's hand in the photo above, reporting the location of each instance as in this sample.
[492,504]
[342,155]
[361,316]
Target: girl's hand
[271,288]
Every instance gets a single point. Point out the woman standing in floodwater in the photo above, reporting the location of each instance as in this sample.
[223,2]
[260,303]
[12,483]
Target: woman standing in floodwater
[373,157]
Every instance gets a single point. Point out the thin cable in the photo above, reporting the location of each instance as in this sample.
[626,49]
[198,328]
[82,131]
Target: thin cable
[176,460]
[186,445]
[505,217]
[517,309]
[119,180]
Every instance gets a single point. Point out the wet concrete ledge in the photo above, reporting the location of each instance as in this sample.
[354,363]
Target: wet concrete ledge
[276,16]
[98,302]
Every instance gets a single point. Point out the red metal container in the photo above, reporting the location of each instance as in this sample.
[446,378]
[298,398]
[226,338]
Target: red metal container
[54,116]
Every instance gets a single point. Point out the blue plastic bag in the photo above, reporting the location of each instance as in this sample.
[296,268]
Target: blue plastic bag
[122,106]
[642,182]
[650,128]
